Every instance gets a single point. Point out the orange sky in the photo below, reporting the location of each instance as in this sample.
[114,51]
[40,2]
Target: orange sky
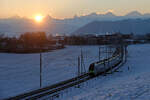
[68,8]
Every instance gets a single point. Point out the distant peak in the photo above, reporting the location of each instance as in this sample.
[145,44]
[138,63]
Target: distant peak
[15,17]
[110,14]
[75,16]
[93,14]
[134,13]
[48,17]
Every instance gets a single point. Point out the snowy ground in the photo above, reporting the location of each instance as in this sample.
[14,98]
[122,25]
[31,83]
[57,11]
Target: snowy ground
[19,73]
[132,84]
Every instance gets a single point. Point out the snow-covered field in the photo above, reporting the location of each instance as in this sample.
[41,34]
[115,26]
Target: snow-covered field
[19,73]
[128,84]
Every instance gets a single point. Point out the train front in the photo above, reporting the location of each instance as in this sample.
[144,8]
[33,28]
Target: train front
[91,69]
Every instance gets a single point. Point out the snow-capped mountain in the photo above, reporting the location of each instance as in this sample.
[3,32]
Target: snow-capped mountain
[52,25]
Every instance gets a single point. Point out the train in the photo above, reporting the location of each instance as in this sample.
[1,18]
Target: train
[105,65]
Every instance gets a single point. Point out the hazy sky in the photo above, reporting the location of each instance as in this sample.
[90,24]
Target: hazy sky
[68,8]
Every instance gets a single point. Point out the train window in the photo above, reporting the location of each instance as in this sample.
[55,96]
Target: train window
[91,66]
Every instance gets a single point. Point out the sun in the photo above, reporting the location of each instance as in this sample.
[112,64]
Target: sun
[38,18]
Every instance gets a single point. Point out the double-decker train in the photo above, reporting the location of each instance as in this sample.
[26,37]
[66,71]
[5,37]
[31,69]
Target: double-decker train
[106,64]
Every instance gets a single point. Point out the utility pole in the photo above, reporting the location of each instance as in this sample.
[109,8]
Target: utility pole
[78,86]
[126,52]
[99,53]
[83,70]
[122,52]
[40,69]
[81,62]
[110,54]
[78,66]
[105,62]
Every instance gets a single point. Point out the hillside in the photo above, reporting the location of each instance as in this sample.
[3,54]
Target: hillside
[137,26]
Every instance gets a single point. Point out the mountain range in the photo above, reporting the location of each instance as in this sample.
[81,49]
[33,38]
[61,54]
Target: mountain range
[52,25]
[136,26]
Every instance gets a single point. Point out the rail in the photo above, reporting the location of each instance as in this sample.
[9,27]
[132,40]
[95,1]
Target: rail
[37,94]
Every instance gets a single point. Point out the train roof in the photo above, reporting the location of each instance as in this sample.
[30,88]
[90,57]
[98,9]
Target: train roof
[102,61]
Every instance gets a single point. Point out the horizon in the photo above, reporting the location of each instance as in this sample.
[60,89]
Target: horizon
[68,9]
[18,16]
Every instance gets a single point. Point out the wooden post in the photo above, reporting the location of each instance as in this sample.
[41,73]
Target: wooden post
[99,53]
[105,63]
[40,70]
[126,53]
[122,52]
[108,55]
[81,63]
[110,50]
[78,66]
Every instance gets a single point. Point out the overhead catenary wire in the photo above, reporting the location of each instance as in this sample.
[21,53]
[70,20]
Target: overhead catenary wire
[41,94]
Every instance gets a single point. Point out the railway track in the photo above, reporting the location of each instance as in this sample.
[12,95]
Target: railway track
[54,89]
[49,89]
[46,91]
[71,84]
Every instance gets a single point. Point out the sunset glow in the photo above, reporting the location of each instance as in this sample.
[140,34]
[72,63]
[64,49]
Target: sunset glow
[68,8]
[38,18]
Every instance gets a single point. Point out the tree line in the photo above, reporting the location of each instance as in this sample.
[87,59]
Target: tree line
[27,42]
